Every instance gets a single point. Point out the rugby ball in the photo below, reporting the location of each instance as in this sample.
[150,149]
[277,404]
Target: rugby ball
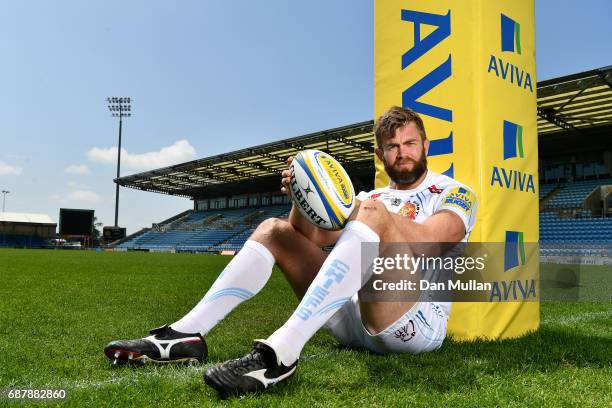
[321,189]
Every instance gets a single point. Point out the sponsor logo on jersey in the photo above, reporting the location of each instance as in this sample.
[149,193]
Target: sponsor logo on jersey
[375,196]
[434,190]
[410,210]
[460,198]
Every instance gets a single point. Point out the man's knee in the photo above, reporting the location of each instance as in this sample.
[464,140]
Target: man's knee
[272,228]
[374,214]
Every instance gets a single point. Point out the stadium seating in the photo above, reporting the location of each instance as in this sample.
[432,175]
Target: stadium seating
[205,231]
[569,230]
[573,194]
[584,230]
[546,189]
[21,241]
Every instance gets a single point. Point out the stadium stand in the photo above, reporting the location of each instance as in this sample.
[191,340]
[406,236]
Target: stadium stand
[572,195]
[205,231]
[21,241]
[22,230]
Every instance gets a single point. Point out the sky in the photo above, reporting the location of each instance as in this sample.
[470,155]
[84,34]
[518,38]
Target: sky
[206,77]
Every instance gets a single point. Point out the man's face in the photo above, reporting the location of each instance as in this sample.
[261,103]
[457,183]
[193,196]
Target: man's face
[404,155]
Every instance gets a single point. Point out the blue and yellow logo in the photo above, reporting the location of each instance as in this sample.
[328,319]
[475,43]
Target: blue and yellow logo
[510,35]
[513,140]
[514,250]
[461,198]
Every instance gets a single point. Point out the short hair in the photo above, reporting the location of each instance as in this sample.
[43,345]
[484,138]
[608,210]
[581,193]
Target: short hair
[395,118]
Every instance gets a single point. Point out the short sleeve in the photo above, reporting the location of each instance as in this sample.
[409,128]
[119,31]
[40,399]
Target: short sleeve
[363,195]
[462,201]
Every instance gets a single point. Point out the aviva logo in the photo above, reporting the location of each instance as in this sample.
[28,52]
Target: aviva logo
[508,70]
[513,140]
[514,250]
[510,35]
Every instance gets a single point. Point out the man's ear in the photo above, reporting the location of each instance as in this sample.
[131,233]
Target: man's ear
[426,146]
[379,153]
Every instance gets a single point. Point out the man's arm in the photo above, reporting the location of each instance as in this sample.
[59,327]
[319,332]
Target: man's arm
[443,226]
[443,229]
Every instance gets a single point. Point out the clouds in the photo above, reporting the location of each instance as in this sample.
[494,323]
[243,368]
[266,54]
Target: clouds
[7,169]
[78,196]
[84,196]
[179,152]
[74,184]
[78,169]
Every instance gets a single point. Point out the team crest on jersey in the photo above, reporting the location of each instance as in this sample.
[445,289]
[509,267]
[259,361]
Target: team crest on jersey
[434,190]
[410,210]
[461,198]
[395,202]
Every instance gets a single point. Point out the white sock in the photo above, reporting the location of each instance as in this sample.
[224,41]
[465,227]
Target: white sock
[241,279]
[337,281]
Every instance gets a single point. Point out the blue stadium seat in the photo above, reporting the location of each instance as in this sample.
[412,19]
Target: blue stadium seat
[206,231]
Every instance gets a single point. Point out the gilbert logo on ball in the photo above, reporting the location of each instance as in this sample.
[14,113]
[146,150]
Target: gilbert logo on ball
[321,189]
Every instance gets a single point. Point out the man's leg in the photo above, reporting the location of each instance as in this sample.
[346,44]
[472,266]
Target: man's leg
[244,276]
[339,278]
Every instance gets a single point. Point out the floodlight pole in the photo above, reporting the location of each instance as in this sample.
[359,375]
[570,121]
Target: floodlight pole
[118,171]
[119,107]
[4,193]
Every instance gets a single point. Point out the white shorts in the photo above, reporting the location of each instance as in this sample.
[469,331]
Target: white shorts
[419,330]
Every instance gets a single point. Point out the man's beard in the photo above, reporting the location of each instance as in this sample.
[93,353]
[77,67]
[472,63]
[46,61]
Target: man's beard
[405,176]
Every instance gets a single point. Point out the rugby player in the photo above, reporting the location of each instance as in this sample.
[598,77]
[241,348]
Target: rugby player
[417,206]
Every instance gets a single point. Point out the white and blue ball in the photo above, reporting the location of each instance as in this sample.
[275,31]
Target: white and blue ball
[321,189]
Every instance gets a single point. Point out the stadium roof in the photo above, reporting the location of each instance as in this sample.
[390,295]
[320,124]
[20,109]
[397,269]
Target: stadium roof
[575,102]
[569,106]
[26,218]
[257,167]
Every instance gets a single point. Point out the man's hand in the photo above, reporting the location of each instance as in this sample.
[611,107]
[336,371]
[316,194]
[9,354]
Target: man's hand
[286,178]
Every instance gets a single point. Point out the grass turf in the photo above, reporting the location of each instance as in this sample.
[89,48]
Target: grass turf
[59,309]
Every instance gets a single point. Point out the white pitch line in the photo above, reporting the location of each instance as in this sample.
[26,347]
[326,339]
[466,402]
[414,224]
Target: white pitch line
[124,376]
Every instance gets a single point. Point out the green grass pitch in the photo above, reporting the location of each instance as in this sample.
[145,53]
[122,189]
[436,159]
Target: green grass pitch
[59,308]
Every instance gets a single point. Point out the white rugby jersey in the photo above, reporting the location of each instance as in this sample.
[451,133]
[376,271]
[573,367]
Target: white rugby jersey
[437,192]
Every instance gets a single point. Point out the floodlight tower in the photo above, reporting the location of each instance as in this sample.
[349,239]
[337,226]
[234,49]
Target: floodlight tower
[119,107]
[4,193]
